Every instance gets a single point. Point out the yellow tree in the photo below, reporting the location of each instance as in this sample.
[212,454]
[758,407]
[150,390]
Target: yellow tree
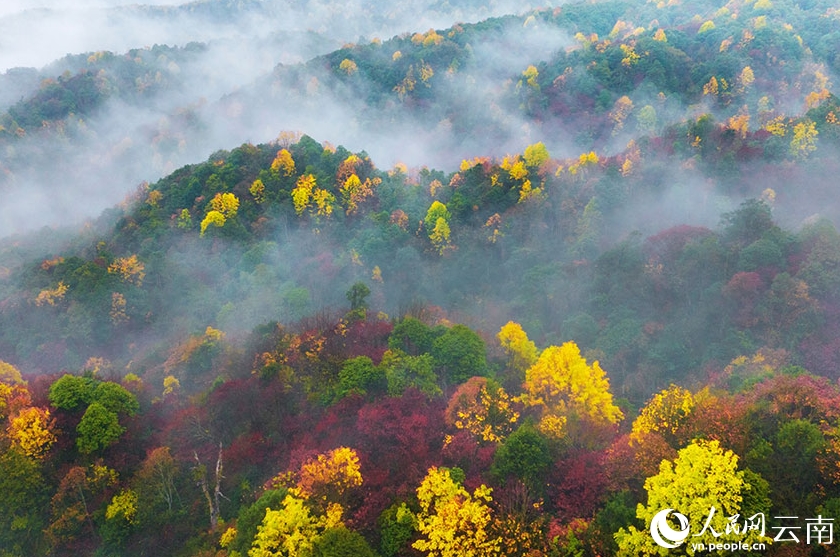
[483,409]
[804,140]
[327,477]
[704,485]
[664,414]
[284,163]
[453,522]
[130,269]
[522,352]
[32,431]
[561,385]
[292,530]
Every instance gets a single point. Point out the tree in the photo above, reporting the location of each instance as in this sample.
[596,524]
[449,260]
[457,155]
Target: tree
[665,414]
[436,225]
[536,155]
[284,163]
[522,353]
[561,384]
[130,269]
[327,477]
[403,371]
[359,376]
[156,479]
[704,484]
[292,530]
[459,354]
[98,429]
[23,501]
[482,408]
[357,296]
[341,542]
[452,521]
[31,431]
[525,456]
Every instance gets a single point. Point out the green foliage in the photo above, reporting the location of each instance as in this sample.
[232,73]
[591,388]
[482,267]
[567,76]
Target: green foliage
[403,371]
[459,354]
[341,542]
[525,456]
[397,526]
[359,376]
[98,429]
[23,501]
[70,391]
[411,336]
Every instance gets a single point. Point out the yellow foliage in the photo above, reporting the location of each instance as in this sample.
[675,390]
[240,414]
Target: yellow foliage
[426,72]
[291,530]
[283,162]
[129,268]
[348,66]
[536,155]
[123,504]
[354,191]
[154,198]
[712,87]
[630,56]
[745,79]
[815,98]
[518,170]
[531,74]
[665,413]
[486,412]
[440,235]
[225,203]
[739,124]
[452,522]
[323,202]
[302,193]
[521,351]
[328,476]
[777,126]
[10,375]
[622,108]
[31,430]
[561,383]
[257,191]
[51,295]
[215,218]
[660,36]
[118,306]
[804,140]
[707,26]
[171,385]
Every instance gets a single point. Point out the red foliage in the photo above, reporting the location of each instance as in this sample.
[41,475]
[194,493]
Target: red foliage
[368,338]
[578,484]
[667,245]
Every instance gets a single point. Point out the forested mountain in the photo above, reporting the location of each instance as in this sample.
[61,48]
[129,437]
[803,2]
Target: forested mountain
[550,273]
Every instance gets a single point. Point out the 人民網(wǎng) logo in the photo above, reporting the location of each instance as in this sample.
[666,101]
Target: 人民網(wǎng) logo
[663,534]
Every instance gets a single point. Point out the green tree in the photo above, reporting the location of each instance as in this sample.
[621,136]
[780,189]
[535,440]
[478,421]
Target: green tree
[98,429]
[341,542]
[525,456]
[22,503]
[359,375]
[459,354]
